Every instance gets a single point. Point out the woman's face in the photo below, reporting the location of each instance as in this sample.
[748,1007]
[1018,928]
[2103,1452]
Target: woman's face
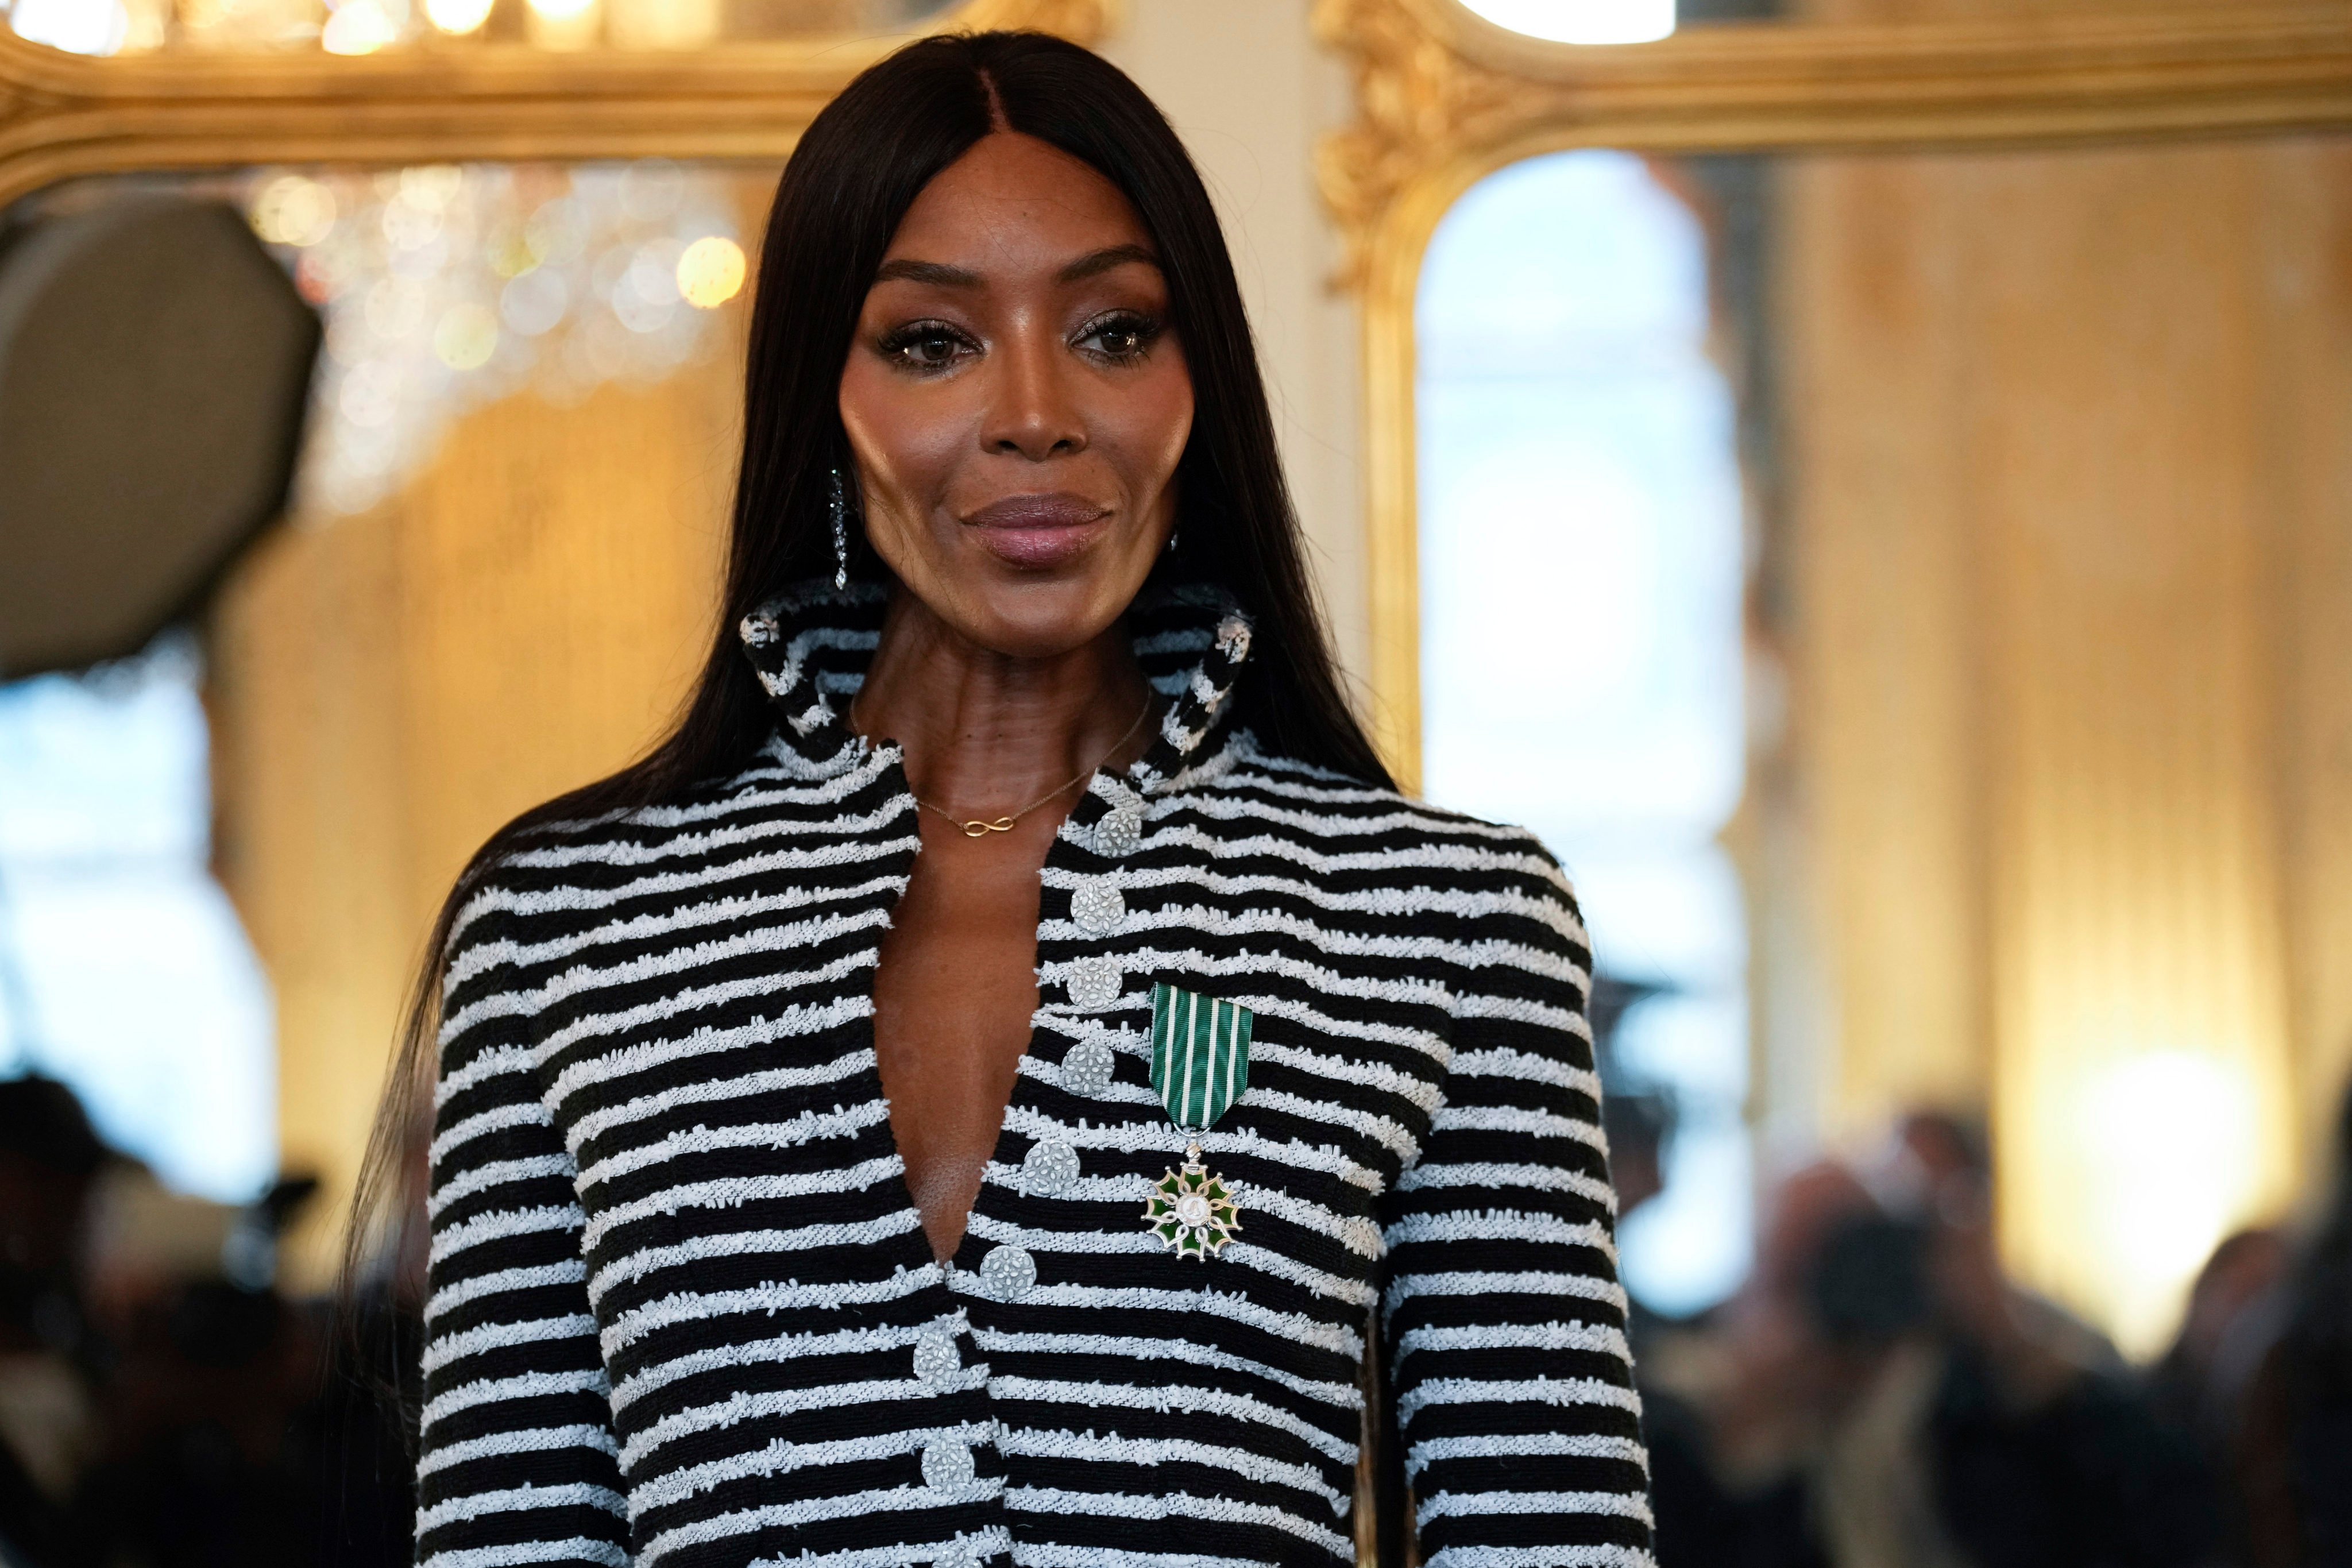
[1017,401]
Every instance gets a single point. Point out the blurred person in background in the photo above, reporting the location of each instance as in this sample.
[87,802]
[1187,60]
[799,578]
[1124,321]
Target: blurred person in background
[1879,1395]
[49,1433]
[1741,1410]
[1637,1114]
[2232,1321]
[374,1377]
[161,1402]
[2047,1448]
[209,1402]
[206,1464]
[2291,1451]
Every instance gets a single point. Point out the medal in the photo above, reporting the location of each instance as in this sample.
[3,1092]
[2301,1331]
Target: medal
[1200,1065]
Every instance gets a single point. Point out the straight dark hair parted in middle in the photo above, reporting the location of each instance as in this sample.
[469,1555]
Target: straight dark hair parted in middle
[856,170]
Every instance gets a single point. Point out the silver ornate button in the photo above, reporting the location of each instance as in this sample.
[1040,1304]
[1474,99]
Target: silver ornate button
[1051,1168]
[1119,833]
[1098,907]
[1088,1067]
[1008,1272]
[947,1464]
[936,1360]
[1096,982]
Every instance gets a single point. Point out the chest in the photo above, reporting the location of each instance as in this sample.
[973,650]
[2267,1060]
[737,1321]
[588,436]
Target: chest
[743,1039]
[750,1233]
[954,989]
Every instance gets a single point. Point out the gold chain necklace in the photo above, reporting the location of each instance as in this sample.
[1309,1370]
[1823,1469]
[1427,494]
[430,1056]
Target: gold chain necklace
[981,827]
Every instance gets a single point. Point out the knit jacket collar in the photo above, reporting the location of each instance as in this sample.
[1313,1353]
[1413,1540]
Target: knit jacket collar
[811,643]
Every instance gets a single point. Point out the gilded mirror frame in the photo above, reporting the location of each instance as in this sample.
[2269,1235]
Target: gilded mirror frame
[63,115]
[1443,99]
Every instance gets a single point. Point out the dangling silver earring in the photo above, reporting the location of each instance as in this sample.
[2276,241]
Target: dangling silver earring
[1172,540]
[840,535]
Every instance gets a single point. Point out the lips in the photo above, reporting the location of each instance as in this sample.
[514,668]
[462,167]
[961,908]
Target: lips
[1038,533]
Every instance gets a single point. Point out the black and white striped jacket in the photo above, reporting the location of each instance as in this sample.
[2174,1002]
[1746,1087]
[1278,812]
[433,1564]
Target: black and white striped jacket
[682,1312]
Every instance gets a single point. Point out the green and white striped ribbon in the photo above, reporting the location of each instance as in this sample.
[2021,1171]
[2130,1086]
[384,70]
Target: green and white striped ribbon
[1200,1054]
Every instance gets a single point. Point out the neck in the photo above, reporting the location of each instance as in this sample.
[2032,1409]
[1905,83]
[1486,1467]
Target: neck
[986,733]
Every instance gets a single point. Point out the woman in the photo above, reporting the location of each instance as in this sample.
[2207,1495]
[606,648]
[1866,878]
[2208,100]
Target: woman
[985,1084]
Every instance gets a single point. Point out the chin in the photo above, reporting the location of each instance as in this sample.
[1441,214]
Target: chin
[1040,615]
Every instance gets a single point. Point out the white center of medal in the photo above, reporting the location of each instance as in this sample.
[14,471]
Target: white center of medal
[1192,1209]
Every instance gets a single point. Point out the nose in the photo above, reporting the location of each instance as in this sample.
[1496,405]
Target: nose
[1036,413]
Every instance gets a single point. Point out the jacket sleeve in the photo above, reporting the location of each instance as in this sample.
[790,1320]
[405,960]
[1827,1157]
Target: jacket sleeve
[517,1462]
[1503,1322]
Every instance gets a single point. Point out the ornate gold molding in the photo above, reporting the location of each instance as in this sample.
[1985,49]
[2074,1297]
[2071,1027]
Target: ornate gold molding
[1443,99]
[64,115]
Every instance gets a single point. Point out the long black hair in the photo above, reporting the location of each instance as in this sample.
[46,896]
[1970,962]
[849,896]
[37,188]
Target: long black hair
[855,171]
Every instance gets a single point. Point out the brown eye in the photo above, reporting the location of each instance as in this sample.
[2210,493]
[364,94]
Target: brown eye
[925,346]
[1124,336]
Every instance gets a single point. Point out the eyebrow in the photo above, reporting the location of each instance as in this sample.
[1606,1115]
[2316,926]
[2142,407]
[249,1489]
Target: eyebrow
[940,275]
[1095,263]
[937,272]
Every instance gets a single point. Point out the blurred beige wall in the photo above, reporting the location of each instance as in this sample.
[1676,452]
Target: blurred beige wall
[2069,440]
[387,688]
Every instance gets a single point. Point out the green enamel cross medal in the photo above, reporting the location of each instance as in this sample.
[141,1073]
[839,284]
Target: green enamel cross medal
[1200,1065]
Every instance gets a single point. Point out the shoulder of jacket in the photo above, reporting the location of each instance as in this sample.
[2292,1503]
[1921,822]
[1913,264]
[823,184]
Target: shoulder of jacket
[1249,766]
[535,869]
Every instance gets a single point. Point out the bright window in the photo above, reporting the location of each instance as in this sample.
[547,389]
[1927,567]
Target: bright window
[123,970]
[1580,581]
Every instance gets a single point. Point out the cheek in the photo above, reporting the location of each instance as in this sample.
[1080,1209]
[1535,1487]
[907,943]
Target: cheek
[1151,425]
[905,433]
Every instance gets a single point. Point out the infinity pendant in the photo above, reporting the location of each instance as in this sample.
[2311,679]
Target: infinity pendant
[977,829]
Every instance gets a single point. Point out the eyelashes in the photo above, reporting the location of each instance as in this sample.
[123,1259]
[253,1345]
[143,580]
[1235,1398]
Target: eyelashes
[933,347]
[926,348]
[1123,337]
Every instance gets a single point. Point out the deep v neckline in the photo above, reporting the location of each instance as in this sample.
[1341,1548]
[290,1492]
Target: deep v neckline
[921,1183]
[809,647]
